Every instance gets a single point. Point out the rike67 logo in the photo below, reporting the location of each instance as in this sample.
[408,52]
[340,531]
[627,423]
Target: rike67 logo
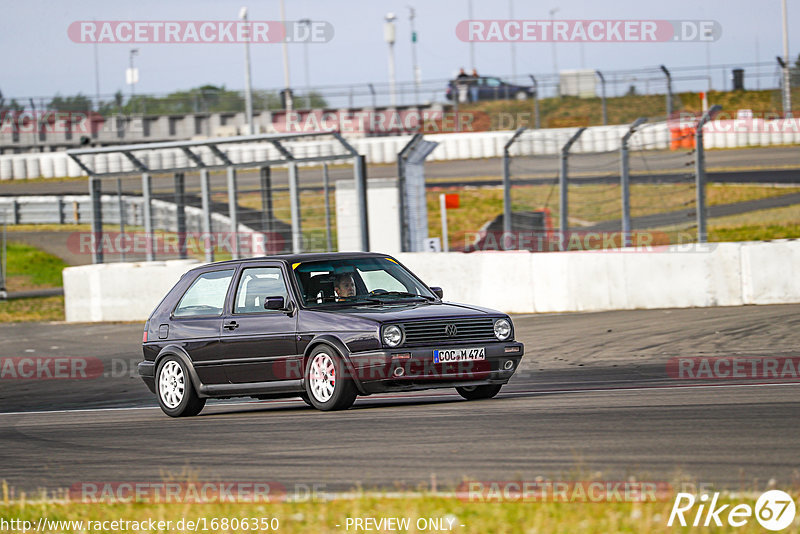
[774,510]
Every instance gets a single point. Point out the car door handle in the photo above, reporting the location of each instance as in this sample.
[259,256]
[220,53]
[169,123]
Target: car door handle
[233,325]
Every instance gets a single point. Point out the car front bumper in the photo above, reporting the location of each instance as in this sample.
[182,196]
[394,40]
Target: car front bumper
[413,368]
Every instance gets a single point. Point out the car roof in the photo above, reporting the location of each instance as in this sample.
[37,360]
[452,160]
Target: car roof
[295,258]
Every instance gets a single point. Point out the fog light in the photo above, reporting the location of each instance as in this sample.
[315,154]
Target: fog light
[508,365]
[399,371]
[512,349]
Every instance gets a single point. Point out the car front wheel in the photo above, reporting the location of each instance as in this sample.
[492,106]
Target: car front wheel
[327,386]
[174,389]
[479,392]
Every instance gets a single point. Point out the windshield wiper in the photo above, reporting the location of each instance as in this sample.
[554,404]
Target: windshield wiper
[404,294]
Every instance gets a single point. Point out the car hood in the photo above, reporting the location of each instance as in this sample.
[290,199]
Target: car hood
[410,311]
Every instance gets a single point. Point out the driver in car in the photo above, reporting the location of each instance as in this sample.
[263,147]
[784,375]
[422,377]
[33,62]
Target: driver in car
[344,286]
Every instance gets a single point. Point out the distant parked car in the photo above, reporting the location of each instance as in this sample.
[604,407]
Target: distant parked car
[487,88]
[323,327]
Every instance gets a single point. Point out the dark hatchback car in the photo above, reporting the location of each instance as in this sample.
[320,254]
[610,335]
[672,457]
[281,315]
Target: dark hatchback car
[324,327]
[487,88]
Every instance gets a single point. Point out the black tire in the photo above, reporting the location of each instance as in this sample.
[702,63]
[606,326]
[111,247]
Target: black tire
[189,404]
[479,392]
[304,398]
[322,394]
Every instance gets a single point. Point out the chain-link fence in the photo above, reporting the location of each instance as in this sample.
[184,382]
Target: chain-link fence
[598,189]
[214,204]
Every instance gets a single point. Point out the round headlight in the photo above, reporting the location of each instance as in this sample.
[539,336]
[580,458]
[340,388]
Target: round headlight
[392,335]
[502,329]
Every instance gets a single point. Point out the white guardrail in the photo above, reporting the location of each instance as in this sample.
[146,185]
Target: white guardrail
[452,146]
[679,276]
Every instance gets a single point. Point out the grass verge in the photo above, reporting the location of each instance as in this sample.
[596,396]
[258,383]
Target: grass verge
[332,516]
[30,268]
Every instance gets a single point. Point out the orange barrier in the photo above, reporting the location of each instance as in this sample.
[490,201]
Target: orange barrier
[681,138]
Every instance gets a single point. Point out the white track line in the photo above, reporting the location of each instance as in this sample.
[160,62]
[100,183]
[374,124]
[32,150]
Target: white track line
[439,396]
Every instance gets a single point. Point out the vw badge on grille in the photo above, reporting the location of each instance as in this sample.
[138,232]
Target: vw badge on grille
[451,330]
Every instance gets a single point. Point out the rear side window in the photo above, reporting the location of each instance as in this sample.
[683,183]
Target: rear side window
[206,295]
[256,285]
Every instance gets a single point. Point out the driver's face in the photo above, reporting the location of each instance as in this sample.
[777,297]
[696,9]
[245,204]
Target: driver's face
[346,288]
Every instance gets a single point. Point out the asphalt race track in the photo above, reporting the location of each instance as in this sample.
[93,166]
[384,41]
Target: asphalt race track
[592,397]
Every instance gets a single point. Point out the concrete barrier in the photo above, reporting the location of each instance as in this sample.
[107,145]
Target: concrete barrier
[681,276]
[119,291]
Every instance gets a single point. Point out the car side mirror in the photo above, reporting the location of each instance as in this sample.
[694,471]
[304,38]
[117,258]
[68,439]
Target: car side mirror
[274,303]
[438,292]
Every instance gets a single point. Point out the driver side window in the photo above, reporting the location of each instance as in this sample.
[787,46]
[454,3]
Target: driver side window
[255,285]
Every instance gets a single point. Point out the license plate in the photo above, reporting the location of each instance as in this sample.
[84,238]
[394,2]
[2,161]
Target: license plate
[459,355]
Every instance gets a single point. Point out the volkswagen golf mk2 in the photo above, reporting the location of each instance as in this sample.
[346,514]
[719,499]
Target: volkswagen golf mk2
[324,327]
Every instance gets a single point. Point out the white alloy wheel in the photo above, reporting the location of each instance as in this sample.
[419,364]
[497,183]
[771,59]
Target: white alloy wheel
[322,378]
[171,384]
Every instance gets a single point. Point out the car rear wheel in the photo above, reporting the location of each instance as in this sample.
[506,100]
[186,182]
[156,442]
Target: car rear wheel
[479,392]
[521,95]
[327,386]
[174,389]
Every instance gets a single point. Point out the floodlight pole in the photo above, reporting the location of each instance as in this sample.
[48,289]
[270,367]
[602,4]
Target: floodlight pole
[787,78]
[248,88]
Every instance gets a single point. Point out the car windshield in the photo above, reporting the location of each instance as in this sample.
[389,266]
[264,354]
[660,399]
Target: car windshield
[357,281]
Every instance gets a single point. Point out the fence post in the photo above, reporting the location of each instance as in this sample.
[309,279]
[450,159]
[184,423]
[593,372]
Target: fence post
[148,217]
[294,207]
[205,197]
[265,174]
[360,170]
[507,184]
[326,188]
[95,190]
[563,204]
[536,121]
[121,208]
[603,95]
[669,90]
[233,211]
[180,213]
[443,213]
[625,182]
[3,293]
[700,174]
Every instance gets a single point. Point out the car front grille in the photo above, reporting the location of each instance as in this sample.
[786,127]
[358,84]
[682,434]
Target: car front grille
[441,330]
